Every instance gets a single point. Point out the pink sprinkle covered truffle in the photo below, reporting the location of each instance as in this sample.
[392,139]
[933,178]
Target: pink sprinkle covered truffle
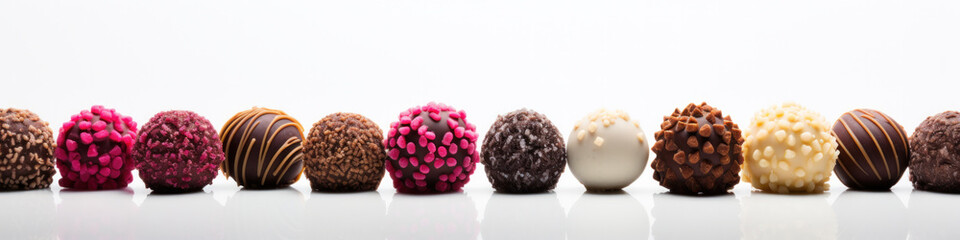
[93,150]
[431,149]
[178,151]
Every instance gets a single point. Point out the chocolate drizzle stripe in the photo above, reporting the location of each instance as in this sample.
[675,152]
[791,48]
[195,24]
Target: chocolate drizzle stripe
[844,147]
[901,132]
[885,135]
[844,167]
[875,143]
[860,146]
[286,159]
[248,120]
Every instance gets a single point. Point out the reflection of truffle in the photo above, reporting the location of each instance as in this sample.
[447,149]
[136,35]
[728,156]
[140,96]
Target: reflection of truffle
[26,151]
[607,151]
[873,150]
[178,151]
[262,148]
[344,153]
[698,151]
[717,217]
[523,152]
[786,217]
[789,149]
[541,217]
[431,149]
[93,150]
[935,157]
[448,216]
[613,215]
[873,215]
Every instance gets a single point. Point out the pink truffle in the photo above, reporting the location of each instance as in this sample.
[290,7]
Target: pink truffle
[93,150]
[431,149]
[177,151]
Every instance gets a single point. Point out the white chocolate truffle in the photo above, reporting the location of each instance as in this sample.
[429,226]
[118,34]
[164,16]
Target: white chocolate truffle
[607,150]
[789,149]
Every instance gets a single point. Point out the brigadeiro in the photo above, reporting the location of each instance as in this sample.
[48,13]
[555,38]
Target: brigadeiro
[523,152]
[698,151]
[344,153]
[874,151]
[431,148]
[93,150]
[789,149]
[26,151]
[263,148]
[935,155]
[178,151]
[607,150]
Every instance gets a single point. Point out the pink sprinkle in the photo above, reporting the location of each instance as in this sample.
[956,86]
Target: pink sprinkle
[60,154]
[453,149]
[115,136]
[99,126]
[415,111]
[424,169]
[452,124]
[428,158]
[96,109]
[86,115]
[451,162]
[458,132]
[411,149]
[454,115]
[422,130]
[387,165]
[403,162]
[420,183]
[415,124]
[92,151]
[104,160]
[462,114]
[467,160]
[398,174]
[409,183]
[118,127]
[107,116]
[71,145]
[392,132]
[470,126]
[75,118]
[84,125]
[431,135]
[394,124]
[393,142]
[402,141]
[74,156]
[464,144]
[441,186]
[431,147]
[443,178]
[471,149]
[457,171]
[435,116]
[422,141]
[75,165]
[471,135]
[405,120]
[394,153]
[414,161]
[128,140]
[68,125]
[419,176]
[438,164]
[101,134]
[86,138]
[386,142]
[442,151]
[404,130]
[116,151]
[447,138]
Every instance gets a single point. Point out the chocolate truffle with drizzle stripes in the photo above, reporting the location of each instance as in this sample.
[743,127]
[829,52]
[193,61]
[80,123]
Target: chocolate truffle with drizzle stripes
[263,149]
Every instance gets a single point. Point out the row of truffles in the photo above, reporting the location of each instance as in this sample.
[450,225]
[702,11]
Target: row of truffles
[433,148]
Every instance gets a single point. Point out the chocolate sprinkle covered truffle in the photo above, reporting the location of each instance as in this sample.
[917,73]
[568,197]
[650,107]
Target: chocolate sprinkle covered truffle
[935,155]
[26,151]
[607,151]
[93,150]
[178,151]
[874,151]
[698,151]
[263,149]
[431,149]
[344,153]
[523,152]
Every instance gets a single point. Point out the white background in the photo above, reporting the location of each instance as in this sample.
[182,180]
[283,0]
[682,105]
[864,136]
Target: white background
[562,58]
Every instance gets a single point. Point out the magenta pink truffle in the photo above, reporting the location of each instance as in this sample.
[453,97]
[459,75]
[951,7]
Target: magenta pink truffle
[431,148]
[93,150]
[178,151]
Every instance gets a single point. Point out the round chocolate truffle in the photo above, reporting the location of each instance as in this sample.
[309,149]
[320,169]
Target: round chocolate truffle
[789,149]
[607,150]
[874,151]
[431,149]
[523,152]
[344,153]
[263,149]
[93,150]
[26,150]
[698,151]
[935,155]
[178,151]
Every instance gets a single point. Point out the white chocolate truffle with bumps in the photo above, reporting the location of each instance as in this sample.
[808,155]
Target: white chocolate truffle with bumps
[789,149]
[607,150]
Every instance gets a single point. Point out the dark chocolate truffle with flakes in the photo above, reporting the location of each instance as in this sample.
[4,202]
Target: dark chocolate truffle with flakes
[344,153]
[523,152]
[698,151]
[935,153]
[874,151]
[26,151]
[263,148]
[177,151]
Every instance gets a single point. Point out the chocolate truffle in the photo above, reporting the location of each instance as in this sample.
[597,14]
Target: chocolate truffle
[523,152]
[344,153]
[789,149]
[431,148]
[935,155]
[178,151]
[698,151]
[26,151]
[93,150]
[263,149]
[607,150]
[873,150]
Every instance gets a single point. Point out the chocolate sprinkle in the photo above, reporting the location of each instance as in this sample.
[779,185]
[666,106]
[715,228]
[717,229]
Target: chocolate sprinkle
[523,152]
[344,153]
[26,151]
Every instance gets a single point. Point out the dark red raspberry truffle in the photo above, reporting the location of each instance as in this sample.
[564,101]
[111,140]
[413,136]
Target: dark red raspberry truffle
[178,151]
[93,150]
[431,149]
[26,151]
[523,153]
